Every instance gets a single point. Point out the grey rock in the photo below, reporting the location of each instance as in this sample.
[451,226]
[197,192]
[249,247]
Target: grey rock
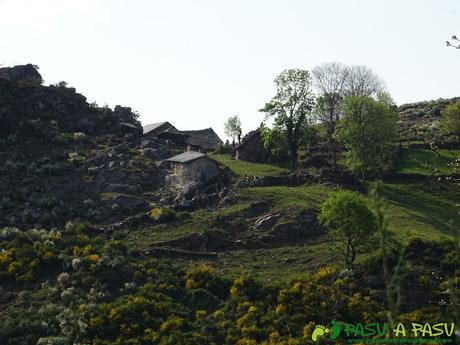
[149,153]
[152,143]
[22,74]
[267,221]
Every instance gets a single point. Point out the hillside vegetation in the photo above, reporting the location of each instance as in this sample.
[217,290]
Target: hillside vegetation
[95,247]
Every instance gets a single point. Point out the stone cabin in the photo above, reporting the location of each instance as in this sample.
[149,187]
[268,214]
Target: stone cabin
[177,137]
[206,139]
[191,167]
[198,140]
[155,128]
[252,149]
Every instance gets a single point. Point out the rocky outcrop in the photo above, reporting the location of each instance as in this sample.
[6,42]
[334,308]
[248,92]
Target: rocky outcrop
[22,74]
[267,221]
[422,119]
[58,154]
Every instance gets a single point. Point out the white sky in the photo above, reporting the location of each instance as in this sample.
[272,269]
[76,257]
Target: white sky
[195,63]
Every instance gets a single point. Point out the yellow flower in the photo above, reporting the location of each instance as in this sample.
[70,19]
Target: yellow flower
[201,314]
[114,314]
[171,324]
[280,309]
[296,287]
[234,291]
[218,314]
[76,251]
[13,266]
[273,337]
[47,255]
[151,335]
[94,258]
[5,257]
[95,322]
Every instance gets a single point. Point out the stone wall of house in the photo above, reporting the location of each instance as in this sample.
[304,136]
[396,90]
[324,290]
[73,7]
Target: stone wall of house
[196,171]
[253,150]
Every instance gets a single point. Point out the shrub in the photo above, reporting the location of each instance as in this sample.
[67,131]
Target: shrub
[351,222]
[451,119]
[162,214]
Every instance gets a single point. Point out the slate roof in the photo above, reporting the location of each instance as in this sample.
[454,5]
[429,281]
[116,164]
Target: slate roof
[186,157]
[205,138]
[174,131]
[162,126]
[247,138]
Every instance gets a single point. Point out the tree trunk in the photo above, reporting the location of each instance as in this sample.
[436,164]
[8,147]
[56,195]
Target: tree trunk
[353,254]
[293,157]
[292,146]
[331,144]
[347,255]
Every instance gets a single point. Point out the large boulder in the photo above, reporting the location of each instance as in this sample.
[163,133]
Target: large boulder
[267,221]
[22,74]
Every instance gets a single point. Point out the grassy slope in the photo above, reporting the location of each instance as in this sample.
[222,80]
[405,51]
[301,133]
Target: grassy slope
[424,161]
[416,209]
[251,169]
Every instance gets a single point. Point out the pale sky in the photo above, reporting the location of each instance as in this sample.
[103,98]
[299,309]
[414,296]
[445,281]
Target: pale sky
[197,62]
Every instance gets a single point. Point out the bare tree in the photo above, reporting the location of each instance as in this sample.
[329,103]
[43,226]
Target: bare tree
[455,42]
[362,81]
[329,80]
[330,77]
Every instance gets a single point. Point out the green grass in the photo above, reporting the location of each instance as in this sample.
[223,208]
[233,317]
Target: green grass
[415,209]
[243,168]
[277,264]
[272,264]
[425,161]
[420,210]
[282,197]
[149,236]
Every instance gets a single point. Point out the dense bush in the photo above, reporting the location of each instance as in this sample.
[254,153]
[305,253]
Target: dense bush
[98,292]
[161,214]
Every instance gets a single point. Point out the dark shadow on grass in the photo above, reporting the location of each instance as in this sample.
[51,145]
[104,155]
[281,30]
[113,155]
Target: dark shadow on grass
[424,206]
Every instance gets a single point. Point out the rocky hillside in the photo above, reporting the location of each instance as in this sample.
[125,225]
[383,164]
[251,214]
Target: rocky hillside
[421,120]
[62,158]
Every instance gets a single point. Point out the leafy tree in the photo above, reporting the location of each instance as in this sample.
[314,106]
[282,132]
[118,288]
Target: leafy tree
[232,128]
[291,107]
[451,119]
[351,222]
[274,139]
[368,131]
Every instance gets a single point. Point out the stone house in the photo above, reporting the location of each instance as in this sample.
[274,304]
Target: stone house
[198,140]
[156,128]
[252,149]
[191,167]
[204,139]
